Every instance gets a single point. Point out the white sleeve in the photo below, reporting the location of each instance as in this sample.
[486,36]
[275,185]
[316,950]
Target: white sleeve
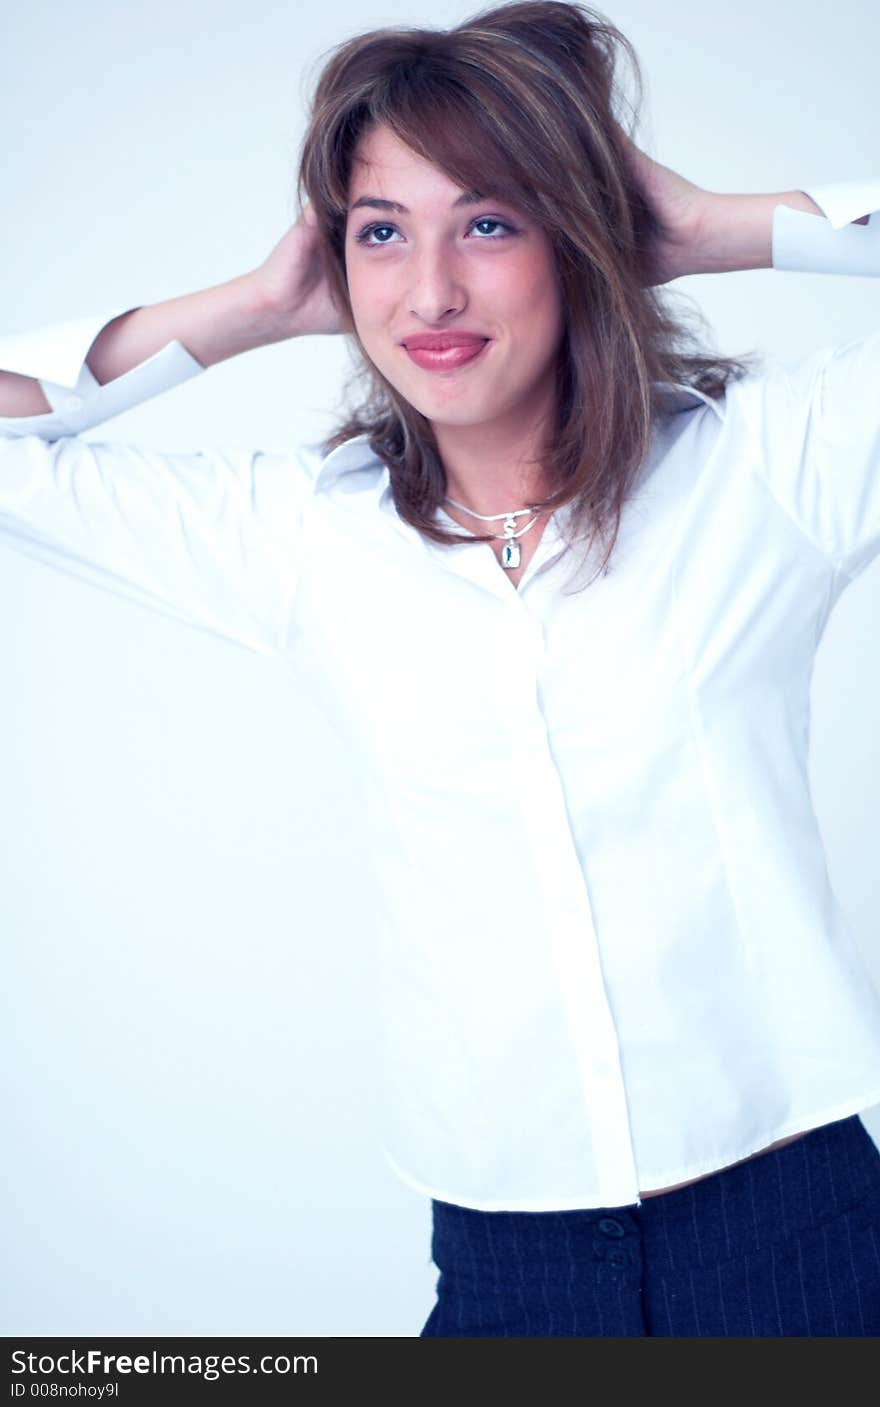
[209,538]
[831,243]
[816,427]
[816,422]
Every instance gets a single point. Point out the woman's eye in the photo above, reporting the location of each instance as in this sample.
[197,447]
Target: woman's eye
[364,236]
[490,220]
[380,232]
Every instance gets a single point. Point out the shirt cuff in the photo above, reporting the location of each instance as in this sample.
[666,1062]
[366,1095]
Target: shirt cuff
[55,355]
[808,243]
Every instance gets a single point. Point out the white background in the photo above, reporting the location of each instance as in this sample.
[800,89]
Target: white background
[186,918]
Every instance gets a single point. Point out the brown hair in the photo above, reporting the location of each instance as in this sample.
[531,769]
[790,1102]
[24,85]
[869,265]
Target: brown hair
[520,100]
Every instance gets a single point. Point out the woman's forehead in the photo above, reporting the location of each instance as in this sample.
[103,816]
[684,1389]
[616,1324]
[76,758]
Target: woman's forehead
[386,167]
[380,151]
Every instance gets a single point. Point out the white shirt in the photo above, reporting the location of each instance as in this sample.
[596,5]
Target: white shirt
[611,956]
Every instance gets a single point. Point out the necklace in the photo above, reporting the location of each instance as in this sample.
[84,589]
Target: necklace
[510,553]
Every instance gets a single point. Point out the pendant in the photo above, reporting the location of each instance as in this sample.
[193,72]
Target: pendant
[510,553]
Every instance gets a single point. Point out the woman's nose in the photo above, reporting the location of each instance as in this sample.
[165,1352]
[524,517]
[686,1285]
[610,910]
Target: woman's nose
[436,287]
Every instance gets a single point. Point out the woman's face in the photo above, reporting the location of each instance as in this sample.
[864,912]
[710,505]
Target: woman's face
[450,263]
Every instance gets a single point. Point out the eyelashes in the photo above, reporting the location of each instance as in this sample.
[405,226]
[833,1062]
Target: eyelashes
[363,237]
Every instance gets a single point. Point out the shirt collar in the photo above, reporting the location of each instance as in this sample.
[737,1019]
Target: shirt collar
[352,455]
[355,454]
[679,397]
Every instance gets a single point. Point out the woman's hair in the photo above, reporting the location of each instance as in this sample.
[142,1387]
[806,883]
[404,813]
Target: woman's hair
[519,101]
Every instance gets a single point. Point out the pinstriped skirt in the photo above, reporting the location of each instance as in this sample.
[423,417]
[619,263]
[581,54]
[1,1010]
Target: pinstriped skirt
[785,1244]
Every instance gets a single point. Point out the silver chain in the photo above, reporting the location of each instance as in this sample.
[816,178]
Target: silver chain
[509,519]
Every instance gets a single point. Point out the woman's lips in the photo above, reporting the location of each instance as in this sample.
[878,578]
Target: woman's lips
[446,358]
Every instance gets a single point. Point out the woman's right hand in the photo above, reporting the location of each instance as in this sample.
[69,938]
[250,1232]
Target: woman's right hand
[292,281]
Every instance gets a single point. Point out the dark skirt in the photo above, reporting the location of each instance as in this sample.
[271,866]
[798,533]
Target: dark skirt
[785,1244]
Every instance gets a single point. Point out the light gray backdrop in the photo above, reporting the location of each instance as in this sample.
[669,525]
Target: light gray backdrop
[185,914]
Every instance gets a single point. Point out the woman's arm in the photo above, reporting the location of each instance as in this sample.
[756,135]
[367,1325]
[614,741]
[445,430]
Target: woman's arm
[209,538]
[736,231]
[213,324]
[710,232]
[286,296]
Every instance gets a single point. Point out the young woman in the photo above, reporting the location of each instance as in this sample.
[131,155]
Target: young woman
[561,581]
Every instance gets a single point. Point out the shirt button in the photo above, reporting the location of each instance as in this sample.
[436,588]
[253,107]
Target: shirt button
[611,1227]
[72,403]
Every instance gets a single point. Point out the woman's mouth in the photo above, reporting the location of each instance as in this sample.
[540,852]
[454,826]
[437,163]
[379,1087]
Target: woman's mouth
[448,355]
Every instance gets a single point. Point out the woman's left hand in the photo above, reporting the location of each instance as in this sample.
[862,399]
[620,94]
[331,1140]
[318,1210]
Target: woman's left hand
[679,207]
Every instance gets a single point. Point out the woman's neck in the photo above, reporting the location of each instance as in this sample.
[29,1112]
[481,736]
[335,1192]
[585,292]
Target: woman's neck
[488,472]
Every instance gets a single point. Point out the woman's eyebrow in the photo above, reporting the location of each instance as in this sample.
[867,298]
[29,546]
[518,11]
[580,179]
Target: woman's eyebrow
[469,198]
